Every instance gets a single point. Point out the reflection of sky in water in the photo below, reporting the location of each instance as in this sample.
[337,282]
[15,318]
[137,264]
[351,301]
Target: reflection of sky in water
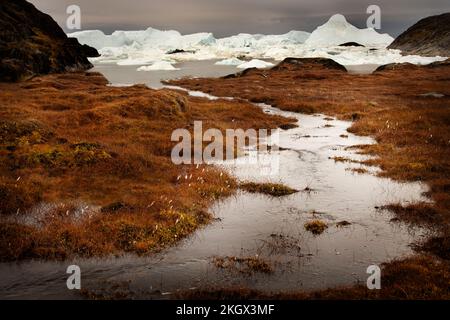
[273,229]
[123,75]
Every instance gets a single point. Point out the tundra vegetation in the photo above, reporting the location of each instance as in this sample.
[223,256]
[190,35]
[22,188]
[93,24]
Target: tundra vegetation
[268,188]
[245,265]
[86,168]
[406,109]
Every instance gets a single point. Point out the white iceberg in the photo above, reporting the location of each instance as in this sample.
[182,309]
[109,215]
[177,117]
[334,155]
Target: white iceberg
[255,41]
[142,39]
[133,62]
[160,65]
[338,31]
[145,46]
[255,63]
[229,62]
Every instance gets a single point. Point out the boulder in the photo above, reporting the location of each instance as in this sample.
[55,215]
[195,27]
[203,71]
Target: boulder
[32,43]
[428,37]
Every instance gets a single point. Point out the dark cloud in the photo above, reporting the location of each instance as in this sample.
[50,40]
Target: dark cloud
[226,17]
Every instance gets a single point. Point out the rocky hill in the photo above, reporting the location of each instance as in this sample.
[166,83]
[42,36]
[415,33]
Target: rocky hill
[32,43]
[428,37]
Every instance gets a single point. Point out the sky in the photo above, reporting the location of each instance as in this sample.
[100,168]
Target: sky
[228,17]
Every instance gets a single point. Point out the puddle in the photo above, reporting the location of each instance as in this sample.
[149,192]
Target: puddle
[250,225]
[362,68]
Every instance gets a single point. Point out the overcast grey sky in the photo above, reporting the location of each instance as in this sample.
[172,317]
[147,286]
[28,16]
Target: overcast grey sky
[227,17]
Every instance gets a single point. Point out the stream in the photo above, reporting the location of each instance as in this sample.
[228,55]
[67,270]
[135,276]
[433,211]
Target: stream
[260,226]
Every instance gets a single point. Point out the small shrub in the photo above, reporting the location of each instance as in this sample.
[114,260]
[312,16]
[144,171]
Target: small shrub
[272,189]
[316,227]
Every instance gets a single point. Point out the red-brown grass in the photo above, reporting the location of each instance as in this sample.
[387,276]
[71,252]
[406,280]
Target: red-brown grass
[418,278]
[70,138]
[412,130]
[413,134]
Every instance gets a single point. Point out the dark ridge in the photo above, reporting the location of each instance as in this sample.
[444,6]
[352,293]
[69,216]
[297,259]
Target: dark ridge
[396,66]
[407,65]
[303,62]
[289,64]
[428,37]
[32,43]
[351,44]
[439,63]
[240,74]
[180,51]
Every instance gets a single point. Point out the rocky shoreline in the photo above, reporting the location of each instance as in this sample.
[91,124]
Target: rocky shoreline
[32,43]
[428,37]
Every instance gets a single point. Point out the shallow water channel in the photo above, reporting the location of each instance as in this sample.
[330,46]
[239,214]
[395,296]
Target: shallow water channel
[271,229]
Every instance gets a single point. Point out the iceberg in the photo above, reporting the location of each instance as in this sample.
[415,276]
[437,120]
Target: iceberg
[142,39]
[245,40]
[133,62]
[160,65]
[144,47]
[255,63]
[229,62]
[140,47]
[338,31]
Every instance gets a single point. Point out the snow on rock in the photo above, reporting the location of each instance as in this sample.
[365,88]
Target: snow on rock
[160,65]
[338,31]
[229,62]
[255,63]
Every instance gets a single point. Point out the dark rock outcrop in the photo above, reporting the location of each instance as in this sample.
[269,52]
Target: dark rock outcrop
[240,73]
[351,44]
[32,43]
[438,64]
[180,51]
[410,66]
[302,62]
[289,64]
[428,37]
[396,66]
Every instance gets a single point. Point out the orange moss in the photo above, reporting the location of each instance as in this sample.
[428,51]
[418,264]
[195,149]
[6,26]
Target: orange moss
[412,129]
[70,138]
[413,134]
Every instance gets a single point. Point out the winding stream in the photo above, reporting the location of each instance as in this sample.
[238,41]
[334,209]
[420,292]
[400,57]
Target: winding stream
[272,229]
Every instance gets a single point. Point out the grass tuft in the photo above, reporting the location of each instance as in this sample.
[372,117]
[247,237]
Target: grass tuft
[271,189]
[69,138]
[316,227]
[247,265]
